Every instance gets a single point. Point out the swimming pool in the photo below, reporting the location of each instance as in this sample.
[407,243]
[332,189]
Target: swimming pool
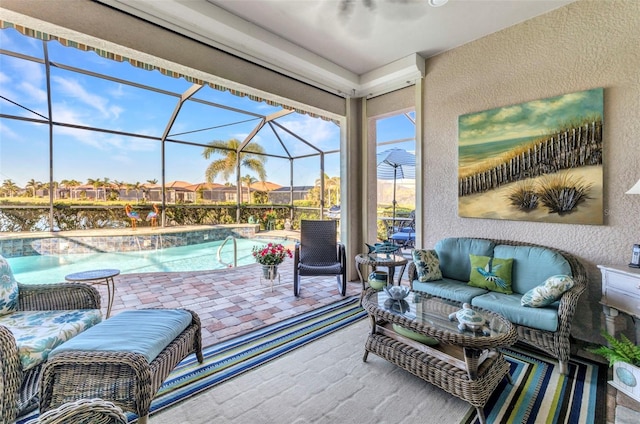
[195,257]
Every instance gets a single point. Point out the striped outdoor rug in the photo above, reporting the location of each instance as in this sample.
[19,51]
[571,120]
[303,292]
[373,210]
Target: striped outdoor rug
[231,358]
[539,394]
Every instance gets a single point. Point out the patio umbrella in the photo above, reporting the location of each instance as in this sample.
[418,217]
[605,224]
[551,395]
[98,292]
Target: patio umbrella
[394,164]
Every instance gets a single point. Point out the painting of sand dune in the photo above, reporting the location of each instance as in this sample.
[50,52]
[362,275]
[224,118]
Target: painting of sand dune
[535,161]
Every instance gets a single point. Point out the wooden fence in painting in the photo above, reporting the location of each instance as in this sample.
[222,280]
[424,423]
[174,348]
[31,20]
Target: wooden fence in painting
[572,148]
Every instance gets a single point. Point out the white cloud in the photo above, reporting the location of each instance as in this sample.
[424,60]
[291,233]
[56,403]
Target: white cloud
[8,133]
[75,90]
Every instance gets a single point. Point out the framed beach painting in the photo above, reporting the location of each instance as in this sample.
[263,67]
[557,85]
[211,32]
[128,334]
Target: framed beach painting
[535,161]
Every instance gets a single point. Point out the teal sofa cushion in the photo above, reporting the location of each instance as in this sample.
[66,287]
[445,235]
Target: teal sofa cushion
[531,265]
[508,305]
[144,331]
[454,252]
[449,289]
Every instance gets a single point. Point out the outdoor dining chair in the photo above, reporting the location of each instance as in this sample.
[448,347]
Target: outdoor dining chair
[319,253]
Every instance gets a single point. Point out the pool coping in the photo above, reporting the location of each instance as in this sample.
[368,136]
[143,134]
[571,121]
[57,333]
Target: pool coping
[126,240]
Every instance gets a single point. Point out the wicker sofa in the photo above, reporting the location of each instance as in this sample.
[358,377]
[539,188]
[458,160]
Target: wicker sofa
[546,328]
[60,304]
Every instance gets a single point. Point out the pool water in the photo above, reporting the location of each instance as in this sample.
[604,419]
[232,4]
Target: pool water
[196,257]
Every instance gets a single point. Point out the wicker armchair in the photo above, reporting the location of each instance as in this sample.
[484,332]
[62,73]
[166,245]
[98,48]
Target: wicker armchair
[83,411]
[19,389]
[318,253]
[557,343]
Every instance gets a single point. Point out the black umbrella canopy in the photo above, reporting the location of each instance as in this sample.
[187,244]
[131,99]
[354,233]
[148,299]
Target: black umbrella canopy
[396,164]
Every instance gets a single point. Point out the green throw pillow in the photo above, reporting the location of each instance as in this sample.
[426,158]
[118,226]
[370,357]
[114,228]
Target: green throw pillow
[491,273]
[548,292]
[427,265]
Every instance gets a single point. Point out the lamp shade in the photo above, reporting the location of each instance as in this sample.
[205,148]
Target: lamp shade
[635,189]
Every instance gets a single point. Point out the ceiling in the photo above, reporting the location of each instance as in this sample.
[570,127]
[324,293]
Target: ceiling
[349,47]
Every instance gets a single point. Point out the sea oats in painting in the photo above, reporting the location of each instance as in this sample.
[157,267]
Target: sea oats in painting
[535,161]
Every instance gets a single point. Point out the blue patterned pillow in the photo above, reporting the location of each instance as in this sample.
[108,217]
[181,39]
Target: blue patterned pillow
[548,292]
[8,289]
[427,265]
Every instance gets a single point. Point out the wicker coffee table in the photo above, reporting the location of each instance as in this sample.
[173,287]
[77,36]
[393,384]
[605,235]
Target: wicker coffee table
[466,364]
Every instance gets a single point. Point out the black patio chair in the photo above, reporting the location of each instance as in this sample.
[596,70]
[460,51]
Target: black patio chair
[319,253]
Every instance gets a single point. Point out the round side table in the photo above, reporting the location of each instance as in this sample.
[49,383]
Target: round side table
[380,259]
[98,276]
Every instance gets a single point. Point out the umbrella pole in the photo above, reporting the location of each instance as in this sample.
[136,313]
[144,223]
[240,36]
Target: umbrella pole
[393,222]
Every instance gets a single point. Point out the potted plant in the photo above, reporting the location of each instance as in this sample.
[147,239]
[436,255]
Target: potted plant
[624,356]
[270,256]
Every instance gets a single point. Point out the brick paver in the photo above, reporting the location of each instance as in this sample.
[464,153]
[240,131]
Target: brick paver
[230,302]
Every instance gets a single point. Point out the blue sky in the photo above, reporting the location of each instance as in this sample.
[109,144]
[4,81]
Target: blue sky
[89,101]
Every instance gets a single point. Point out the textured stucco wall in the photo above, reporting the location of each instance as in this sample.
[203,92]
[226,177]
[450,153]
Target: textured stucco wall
[587,44]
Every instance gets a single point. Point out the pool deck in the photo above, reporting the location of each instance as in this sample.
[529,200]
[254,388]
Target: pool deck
[229,302]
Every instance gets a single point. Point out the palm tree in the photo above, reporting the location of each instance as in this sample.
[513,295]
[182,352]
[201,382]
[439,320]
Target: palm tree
[9,187]
[52,187]
[97,183]
[134,186]
[33,185]
[332,183]
[248,180]
[227,164]
[70,185]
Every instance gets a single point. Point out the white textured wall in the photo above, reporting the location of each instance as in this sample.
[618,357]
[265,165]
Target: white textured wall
[584,45]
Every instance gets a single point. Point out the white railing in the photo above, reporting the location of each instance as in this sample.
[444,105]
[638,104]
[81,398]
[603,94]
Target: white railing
[235,252]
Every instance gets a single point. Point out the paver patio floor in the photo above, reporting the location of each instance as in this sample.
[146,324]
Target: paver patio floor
[229,302]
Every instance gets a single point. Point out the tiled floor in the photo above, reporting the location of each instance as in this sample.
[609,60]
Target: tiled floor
[229,302]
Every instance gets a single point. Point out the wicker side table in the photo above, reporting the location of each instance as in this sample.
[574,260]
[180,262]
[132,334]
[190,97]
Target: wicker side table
[363,260]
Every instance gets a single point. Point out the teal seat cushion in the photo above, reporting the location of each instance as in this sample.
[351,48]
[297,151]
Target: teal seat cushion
[144,331]
[37,333]
[449,289]
[532,265]
[454,252]
[508,305]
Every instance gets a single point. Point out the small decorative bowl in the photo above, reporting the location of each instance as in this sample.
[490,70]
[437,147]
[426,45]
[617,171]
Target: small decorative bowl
[397,292]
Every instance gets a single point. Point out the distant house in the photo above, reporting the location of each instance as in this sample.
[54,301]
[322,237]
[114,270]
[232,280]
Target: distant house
[206,191]
[179,192]
[265,186]
[224,194]
[282,195]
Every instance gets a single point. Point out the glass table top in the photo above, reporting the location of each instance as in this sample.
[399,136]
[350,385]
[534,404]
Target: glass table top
[434,312]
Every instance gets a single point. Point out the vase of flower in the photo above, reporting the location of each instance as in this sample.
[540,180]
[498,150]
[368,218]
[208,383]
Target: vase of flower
[269,272]
[270,256]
